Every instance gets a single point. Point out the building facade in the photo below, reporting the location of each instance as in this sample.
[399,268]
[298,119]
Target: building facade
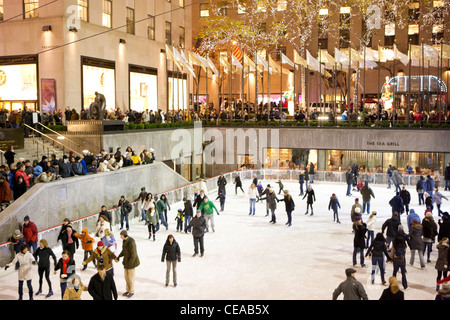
[420,22]
[57,54]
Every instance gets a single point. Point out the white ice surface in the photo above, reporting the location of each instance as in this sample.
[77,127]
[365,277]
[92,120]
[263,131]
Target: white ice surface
[248,258]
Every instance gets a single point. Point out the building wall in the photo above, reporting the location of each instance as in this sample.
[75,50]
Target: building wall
[60,50]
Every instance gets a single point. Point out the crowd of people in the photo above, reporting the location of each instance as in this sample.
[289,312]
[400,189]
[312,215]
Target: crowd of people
[387,245]
[18,175]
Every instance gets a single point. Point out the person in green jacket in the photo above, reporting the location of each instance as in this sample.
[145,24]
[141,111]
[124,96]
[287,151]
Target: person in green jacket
[208,208]
[160,208]
[130,261]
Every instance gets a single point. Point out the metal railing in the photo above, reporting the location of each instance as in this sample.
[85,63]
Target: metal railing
[43,134]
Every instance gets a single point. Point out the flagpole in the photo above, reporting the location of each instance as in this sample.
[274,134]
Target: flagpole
[409,83]
[395,87]
[320,78]
[364,83]
[335,85]
[349,78]
[269,87]
[242,85]
[421,80]
[281,84]
[440,68]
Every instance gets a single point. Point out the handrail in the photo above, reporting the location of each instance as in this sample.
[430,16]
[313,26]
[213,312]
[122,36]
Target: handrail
[59,134]
[43,144]
[51,138]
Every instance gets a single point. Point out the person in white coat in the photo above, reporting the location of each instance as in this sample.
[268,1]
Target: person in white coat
[371,228]
[252,194]
[102,225]
[25,259]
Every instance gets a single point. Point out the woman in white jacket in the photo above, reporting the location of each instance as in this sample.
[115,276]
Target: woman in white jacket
[252,194]
[102,224]
[371,228]
[25,259]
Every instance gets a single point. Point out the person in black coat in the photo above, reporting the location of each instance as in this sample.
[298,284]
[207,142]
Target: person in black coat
[69,241]
[102,285]
[198,225]
[42,255]
[420,189]
[311,198]
[221,184]
[444,227]
[66,265]
[447,177]
[359,242]
[188,213]
[396,204]
[393,292]
[238,183]
[377,248]
[391,227]
[406,198]
[171,254]
[20,187]
[290,206]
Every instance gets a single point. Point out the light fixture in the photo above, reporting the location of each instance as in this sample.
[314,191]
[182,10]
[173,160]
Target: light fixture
[73,29]
[122,41]
[47,28]
[163,51]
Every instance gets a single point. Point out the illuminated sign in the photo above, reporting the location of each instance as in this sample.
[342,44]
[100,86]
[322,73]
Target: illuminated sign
[18,82]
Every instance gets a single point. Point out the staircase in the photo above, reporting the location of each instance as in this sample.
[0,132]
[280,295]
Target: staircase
[36,147]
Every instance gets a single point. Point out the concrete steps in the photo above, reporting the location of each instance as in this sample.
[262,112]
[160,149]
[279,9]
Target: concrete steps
[35,148]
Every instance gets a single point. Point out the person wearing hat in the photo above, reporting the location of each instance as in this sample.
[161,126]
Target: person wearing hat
[101,256]
[16,240]
[334,204]
[130,261]
[351,288]
[443,261]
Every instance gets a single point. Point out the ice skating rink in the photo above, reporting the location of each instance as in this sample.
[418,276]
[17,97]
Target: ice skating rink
[248,258]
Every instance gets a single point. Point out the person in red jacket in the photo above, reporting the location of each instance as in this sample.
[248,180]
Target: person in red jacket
[30,233]
[21,172]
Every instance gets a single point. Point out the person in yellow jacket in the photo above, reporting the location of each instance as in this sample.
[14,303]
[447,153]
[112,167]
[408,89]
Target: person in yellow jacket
[74,289]
[87,243]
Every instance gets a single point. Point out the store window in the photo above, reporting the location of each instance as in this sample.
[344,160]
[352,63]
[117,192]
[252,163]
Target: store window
[18,85]
[98,76]
[30,9]
[143,89]
[421,162]
[177,91]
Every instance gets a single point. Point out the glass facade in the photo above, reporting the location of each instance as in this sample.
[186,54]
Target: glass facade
[341,160]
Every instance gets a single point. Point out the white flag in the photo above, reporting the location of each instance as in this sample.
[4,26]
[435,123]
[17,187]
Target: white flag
[286,60]
[404,59]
